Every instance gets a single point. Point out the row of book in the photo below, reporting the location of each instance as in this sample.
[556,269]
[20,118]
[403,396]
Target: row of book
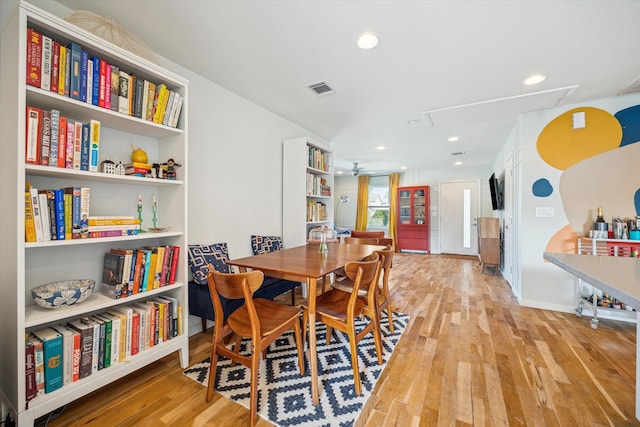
[319,159]
[54,140]
[316,211]
[317,186]
[57,214]
[70,70]
[130,271]
[65,353]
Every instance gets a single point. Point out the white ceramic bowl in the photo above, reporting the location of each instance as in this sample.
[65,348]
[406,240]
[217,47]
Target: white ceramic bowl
[64,293]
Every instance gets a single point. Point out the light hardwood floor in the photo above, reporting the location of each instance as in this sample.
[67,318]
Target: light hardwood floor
[470,356]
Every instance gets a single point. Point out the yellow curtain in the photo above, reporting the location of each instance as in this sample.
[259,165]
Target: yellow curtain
[394,181]
[362,210]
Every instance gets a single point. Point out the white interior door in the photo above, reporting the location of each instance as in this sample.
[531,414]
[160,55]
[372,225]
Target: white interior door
[507,269]
[459,209]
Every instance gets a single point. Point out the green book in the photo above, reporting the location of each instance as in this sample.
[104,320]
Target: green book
[108,340]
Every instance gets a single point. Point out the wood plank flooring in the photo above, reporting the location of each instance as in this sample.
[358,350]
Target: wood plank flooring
[470,356]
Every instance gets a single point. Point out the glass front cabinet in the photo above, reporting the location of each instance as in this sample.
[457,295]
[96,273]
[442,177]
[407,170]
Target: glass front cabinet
[413,219]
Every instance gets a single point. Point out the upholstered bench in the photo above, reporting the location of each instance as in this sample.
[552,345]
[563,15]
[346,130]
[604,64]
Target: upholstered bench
[199,297]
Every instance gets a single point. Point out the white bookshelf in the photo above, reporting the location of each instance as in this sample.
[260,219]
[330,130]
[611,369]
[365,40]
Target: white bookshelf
[295,195]
[27,265]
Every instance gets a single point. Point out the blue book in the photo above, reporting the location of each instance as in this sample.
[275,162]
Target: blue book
[58,196]
[52,348]
[84,69]
[74,74]
[84,147]
[95,94]
[75,212]
[147,266]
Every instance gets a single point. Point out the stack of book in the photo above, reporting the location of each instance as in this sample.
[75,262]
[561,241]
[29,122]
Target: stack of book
[113,226]
[68,70]
[62,354]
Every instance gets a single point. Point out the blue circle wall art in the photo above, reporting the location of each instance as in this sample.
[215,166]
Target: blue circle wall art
[542,188]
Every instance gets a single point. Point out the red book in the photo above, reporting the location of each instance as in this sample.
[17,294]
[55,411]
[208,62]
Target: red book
[34,57]
[34,135]
[102,85]
[135,333]
[77,347]
[62,142]
[107,85]
[55,66]
[137,275]
[174,264]
[164,274]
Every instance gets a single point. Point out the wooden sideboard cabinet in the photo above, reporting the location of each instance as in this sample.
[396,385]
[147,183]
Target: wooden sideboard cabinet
[488,242]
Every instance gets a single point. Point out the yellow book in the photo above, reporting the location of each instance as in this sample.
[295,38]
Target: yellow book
[152,268]
[29,225]
[162,90]
[62,69]
[159,261]
[123,334]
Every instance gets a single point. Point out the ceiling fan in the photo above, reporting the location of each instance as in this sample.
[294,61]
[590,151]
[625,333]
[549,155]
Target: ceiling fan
[356,170]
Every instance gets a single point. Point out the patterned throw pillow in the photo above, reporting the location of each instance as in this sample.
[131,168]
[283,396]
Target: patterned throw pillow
[265,244]
[202,255]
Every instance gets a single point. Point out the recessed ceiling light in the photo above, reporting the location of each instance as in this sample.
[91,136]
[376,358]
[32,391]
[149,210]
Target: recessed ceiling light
[414,122]
[535,79]
[339,172]
[367,41]
[453,139]
[458,163]
[381,147]
[403,168]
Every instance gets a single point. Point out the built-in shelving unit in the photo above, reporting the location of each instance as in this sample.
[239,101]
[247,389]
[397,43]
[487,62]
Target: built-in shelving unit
[307,189]
[27,265]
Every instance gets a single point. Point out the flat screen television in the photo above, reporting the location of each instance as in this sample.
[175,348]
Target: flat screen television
[496,193]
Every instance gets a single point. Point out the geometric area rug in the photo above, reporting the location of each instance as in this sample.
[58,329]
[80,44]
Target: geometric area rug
[285,396]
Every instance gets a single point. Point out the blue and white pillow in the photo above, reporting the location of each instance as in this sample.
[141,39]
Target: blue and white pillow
[200,256]
[265,244]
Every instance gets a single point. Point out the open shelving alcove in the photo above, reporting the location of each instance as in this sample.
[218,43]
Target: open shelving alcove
[26,265]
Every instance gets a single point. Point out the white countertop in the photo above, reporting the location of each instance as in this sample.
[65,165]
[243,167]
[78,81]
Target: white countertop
[618,276]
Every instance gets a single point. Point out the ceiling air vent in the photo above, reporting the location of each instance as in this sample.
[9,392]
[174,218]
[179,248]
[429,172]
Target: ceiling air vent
[458,153]
[633,87]
[321,88]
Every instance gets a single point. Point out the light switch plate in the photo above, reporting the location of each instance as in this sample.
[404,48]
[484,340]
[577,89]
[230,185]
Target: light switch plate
[544,212]
[579,120]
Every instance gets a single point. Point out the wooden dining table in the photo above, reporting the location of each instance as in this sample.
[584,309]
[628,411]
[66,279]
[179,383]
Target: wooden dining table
[306,264]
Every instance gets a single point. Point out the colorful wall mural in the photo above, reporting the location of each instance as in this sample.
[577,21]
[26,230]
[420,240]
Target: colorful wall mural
[599,155]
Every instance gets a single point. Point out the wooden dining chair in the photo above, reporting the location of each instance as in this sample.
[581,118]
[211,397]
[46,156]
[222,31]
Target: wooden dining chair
[361,240]
[261,320]
[338,310]
[383,299]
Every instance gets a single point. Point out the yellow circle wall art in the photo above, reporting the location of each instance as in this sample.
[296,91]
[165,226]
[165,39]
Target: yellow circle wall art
[569,139]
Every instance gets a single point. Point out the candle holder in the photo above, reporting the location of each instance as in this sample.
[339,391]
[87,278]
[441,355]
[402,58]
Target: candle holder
[140,213]
[154,209]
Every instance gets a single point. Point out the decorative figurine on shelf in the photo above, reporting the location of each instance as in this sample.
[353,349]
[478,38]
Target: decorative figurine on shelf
[138,155]
[140,212]
[119,169]
[107,166]
[171,168]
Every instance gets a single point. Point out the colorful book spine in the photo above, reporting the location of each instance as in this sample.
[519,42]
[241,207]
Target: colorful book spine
[38,357]
[107,85]
[62,143]
[115,88]
[47,46]
[85,196]
[85,145]
[55,131]
[71,132]
[84,69]
[37,218]
[34,57]
[60,221]
[75,71]
[34,133]
[45,145]
[62,72]
[52,348]
[68,213]
[29,224]
[94,145]
[44,215]
[108,340]
[174,264]
[123,93]
[67,353]
[67,74]
[51,202]
[135,332]
[55,66]
[96,81]
[89,94]
[112,233]
[76,212]
[31,389]
[77,146]
[122,342]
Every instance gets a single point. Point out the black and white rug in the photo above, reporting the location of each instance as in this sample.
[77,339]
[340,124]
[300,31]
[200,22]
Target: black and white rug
[285,396]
